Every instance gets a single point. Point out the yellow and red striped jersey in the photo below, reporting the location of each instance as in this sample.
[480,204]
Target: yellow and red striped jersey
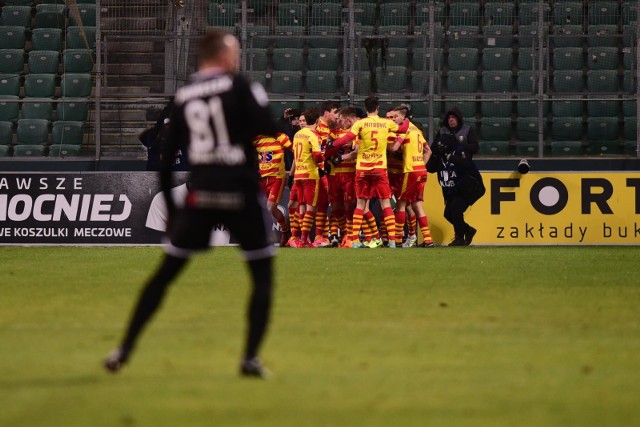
[308,157]
[271,154]
[394,165]
[326,133]
[412,151]
[373,133]
[347,166]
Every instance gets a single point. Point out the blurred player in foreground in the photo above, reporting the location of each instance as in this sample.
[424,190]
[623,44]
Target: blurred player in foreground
[210,120]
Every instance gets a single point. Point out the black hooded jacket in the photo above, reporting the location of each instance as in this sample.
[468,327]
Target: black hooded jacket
[452,155]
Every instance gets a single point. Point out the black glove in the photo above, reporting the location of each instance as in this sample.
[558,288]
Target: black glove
[290,181]
[438,148]
[329,144]
[397,155]
[336,160]
[321,172]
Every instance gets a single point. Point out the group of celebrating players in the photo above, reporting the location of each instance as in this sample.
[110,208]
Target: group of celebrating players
[344,161]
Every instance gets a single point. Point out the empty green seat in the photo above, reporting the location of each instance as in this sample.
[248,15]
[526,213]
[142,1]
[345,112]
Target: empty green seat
[528,35]
[6,133]
[64,150]
[629,82]
[9,108]
[289,82]
[256,76]
[568,13]
[602,58]
[29,150]
[293,14]
[394,13]
[18,2]
[77,61]
[527,82]
[76,85]
[11,61]
[496,108]
[566,128]
[463,36]
[498,36]
[603,108]
[603,128]
[566,148]
[76,37]
[222,14]
[527,148]
[527,128]
[462,13]
[629,108]
[567,81]
[462,81]
[497,58]
[4,151]
[422,34]
[497,81]
[422,59]
[629,12]
[630,130]
[287,59]
[420,81]
[530,108]
[365,13]
[603,13]
[16,16]
[467,108]
[32,131]
[10,84]
[37,110]
[325,37]
[87,14]
[322,59]
[51,6]
[499,13]
[67,132]
[566,108]
[321,82]
[422,12]
[43,61]
[289,37]
[256,36]
[366,59]
[495,129]
[528,13]
[326,14]
[391,79]
[602,81]
[463,58]
[40,85]
[631,148]
[396,35]
[568,58]
[604,148]
[494,148]
[568,36]
[395,57]
[526,59]
[50,19]
[46,39]
[13,37]
[603,36]
[257,59]
[72,110]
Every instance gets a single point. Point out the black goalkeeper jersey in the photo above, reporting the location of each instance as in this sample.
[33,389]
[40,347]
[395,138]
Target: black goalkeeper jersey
[215,119]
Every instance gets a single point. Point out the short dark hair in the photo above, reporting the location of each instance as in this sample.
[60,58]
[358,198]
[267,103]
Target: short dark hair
[212,45]
[371,104]
[403,109]
[311,115]
[327,106]
[347,112]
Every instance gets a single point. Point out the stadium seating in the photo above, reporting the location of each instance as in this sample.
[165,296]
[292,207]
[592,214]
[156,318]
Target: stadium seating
[463,58]
[566,148]
[603,36]
[4,151]
[629,12]
[365,13]
[631,148]
[329,14]
[499,13]
[256,76]
[630,129]
[397,35]
[528,13]
[76,85]
[603,108]
[257,59]
[422,59]
[77,61]
[603,148]
[498,36]
[64,150]
[287,59]
[566,128]
[568,36]
[72,111]
[602,81]
[49,17]
[321,82]
[462,81]
[322,59]
[497,81]
[566,108]
[394,57]
[527,82]
[495,129]
[256,36]
[44,61]
[11,61]
[37,110]
[29,150]
[422,12]
[495,148]
[463,13]
[603,128]
[422,33]
[9,110]
[566,81]
[528,35]
[87,12]
[497,58]
[603,13]
[568,58]
[46,39]
[67,132]
[13,37]
[6,133]
[16,16]
[286,82]
[527,148]
[292,14]
[325,37]
[32,131]
[76,38]
[568,13]
[527,128]
[391,79]
[10,84]
[394,13]
[463,36]
[39,85]
[602,58]
[530,108]
[289,37]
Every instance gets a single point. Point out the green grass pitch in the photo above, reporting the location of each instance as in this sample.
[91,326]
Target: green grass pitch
[478,336]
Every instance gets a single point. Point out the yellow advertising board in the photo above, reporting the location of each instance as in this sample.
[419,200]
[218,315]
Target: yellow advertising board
[555,208]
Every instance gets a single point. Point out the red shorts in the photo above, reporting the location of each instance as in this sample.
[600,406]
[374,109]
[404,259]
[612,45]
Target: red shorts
[293,194]
[413,186]
[272,187]
[372,183]
[395,182]
[342,188]
[308,190]
[323,194]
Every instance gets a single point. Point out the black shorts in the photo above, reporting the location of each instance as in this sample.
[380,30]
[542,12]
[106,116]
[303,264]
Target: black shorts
[191,228]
